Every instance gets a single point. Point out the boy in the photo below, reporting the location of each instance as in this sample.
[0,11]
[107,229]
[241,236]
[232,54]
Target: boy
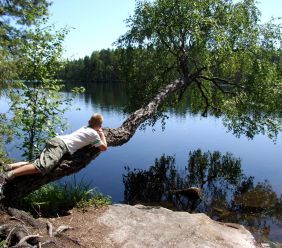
[57,147]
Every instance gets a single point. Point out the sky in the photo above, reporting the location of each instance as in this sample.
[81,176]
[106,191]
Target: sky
[96,24]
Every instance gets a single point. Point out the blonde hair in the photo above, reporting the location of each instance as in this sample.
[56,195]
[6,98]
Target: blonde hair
[96,120]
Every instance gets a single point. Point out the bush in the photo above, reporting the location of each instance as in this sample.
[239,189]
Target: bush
[53,199]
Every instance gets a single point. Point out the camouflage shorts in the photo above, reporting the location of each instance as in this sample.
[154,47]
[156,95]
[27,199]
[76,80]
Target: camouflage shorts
[50,156]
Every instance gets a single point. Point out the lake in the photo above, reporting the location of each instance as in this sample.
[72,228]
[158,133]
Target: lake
[260,158]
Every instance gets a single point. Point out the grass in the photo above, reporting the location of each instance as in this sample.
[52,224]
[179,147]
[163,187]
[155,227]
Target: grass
[3,244]
[56,199]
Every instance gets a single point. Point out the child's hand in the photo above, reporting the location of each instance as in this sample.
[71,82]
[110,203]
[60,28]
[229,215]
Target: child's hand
[100,130]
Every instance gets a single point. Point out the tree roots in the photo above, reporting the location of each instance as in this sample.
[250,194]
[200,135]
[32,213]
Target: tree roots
[22,230]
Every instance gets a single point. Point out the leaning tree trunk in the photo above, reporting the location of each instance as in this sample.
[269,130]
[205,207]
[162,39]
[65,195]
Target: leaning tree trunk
[21,186]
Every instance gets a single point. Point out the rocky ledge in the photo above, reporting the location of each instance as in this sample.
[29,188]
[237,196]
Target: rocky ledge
[142,226]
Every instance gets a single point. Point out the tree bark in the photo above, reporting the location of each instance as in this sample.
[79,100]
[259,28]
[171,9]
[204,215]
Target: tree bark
[14,191]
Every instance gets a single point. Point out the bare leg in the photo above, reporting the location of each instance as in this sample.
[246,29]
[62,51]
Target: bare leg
[20,169]
[18,164]
[25,170]
[9,167]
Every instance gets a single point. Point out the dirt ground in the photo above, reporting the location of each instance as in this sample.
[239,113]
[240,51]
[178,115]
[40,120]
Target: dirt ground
[84,229]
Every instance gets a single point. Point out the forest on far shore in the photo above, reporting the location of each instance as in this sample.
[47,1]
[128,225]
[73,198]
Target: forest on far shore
[100,66]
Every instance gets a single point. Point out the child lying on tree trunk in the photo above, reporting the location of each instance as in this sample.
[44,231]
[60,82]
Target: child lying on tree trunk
[56,148]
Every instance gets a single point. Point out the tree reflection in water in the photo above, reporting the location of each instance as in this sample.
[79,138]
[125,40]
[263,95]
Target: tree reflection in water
[226,193]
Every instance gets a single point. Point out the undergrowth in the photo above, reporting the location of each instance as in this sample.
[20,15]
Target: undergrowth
[56,199]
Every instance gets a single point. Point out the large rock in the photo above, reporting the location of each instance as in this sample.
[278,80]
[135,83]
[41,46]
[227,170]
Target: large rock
[140,226]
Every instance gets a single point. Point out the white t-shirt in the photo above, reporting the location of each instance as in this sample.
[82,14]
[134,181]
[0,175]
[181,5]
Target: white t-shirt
[80,138]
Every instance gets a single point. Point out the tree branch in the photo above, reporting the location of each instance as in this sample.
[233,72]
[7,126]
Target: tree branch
[208,104]
[204,96]
[166,45]
[217,80]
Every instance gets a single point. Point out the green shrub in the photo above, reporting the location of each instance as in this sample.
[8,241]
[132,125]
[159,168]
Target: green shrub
[54,198]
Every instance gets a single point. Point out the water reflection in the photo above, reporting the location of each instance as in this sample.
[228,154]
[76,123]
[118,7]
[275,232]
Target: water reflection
[226,193]
[107,96]
[113,97]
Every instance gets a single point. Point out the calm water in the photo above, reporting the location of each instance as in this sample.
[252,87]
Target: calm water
[260,157]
